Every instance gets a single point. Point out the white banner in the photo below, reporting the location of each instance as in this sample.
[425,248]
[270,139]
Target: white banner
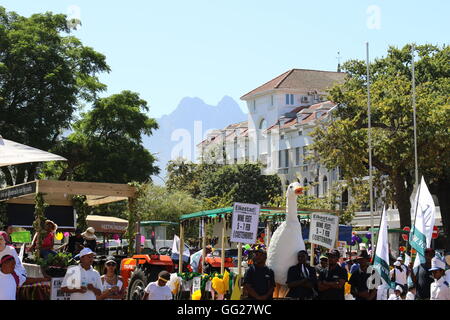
[323,229]
[245,223]
[55,293]
[381,260]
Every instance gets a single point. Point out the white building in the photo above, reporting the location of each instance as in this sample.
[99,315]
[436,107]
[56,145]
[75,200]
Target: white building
[281,114]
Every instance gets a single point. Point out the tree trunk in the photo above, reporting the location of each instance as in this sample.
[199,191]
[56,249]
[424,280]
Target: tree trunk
[442,190]
[401,198]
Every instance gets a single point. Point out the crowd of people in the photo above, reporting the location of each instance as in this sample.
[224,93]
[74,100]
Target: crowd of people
[334,278]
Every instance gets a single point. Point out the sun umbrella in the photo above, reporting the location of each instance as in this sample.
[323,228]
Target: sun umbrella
[15,153]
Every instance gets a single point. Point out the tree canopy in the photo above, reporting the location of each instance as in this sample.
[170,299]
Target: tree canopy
[44,74]
[343,142]
[106,145]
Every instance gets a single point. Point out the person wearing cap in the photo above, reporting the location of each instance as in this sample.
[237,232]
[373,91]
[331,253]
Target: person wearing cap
[397,293]
[439,289]
[332,279]
[358,279]
[20,274]
[399,274]
[8,284]
[112,283]
[76,243]
[90,238]
[302,279]
[259,280]
[422,277]
[83,282]
[159,290]
[323,264]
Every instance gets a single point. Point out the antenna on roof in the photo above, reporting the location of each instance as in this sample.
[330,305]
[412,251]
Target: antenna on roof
[339,61]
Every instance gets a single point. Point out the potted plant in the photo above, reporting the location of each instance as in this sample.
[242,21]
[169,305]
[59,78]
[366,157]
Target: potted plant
[55,266]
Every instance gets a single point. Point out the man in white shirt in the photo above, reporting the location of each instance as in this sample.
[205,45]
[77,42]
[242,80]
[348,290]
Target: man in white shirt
[399,274]
[82,281]
[397,293]
[158,290]
[8,285]
[439,289]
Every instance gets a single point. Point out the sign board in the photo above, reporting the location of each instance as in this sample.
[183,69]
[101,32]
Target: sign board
[196,283]
[245,223]
[18,191]
[341,247]
[323,229]
[21,237]
[55,290]
[435,233]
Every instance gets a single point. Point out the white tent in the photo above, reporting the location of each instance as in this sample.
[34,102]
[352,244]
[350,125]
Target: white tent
[15,153]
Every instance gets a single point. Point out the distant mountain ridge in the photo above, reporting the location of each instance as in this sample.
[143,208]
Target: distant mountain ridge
[181,130]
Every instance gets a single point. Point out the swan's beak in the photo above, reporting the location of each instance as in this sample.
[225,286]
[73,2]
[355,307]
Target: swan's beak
[298,191]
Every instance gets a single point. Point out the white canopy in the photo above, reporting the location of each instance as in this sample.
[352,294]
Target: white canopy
[15,153]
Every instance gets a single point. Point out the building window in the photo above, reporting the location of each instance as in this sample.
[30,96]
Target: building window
[325,185]
[297,156]
[289,99]
[282,137]
[271,100]
[300,132]
[263,124]
[305,184]
[283,158]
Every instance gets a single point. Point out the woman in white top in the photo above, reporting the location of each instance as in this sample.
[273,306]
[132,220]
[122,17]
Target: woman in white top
[8,250]
[112,283]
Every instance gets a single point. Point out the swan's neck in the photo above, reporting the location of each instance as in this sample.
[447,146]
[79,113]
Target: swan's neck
[291,208]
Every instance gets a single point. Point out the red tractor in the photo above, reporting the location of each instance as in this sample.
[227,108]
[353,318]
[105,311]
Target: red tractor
[141,269]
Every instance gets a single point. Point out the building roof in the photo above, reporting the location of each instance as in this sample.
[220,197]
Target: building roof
[300,79]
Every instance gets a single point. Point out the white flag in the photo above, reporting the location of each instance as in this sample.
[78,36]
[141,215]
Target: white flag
[381,260]
[176,245]
[424,210]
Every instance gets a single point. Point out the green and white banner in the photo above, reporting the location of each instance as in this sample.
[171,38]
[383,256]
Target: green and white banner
[381,260]
[424,211]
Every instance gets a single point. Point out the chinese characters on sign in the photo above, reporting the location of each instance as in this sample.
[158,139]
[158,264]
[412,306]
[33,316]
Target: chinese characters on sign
[245,223]
[323,230]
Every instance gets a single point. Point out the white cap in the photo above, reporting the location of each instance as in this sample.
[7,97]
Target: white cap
[399,259]
[86,251]
[397,263]
[437,264]
[399,288]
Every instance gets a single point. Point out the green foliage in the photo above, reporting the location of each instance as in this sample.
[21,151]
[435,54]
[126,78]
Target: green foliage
[83,210]
[106,145]
[61,259]
[39,221]
[221,185]
[343,142]
[44,72]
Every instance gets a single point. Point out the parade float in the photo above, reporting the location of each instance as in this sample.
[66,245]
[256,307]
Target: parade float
[28,205]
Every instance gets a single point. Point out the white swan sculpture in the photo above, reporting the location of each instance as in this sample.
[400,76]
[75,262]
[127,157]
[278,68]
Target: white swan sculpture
[287,240]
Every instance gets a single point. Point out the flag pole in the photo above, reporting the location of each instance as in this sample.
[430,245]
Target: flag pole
[416,170]
[369,129]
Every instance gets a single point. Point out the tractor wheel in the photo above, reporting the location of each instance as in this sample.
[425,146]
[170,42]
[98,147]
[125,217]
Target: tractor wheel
[138,283]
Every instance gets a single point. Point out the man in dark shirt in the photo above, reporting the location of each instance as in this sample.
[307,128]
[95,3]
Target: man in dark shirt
[259,280]
[301,279]
[422,276]
[358,279]
[76,243]
[332,280]
[322,265]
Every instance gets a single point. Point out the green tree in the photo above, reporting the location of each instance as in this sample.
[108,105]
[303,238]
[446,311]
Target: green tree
[343,142]
[106,145]
[44,73]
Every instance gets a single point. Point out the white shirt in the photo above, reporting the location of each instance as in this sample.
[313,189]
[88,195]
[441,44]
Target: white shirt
[400,276]
[7,287]
[383,292]
[410,296]
[77,277]
[440,290]
[107,285]
[394,297]
[156,292]
[447,275]
[19,268]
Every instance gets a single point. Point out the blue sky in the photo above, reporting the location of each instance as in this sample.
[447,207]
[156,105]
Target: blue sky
[167,50]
